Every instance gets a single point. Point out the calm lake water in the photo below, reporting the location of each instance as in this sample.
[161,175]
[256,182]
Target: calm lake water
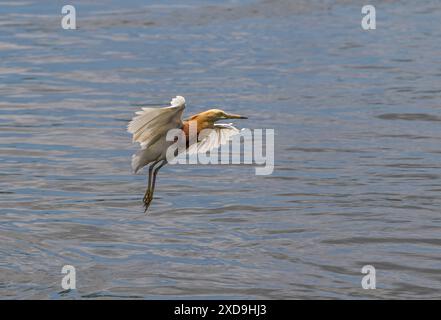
[357,178]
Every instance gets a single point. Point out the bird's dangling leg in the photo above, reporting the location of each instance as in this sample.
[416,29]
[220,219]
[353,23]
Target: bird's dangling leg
[152,187]
[146,198]
[154,176]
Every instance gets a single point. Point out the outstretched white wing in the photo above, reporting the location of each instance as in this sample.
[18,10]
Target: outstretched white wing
[151,124]
[214,138]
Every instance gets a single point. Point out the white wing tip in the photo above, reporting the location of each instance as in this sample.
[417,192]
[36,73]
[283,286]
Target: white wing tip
[178,101]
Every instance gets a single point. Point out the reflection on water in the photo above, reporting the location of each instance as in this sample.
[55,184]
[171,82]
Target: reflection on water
[358,152]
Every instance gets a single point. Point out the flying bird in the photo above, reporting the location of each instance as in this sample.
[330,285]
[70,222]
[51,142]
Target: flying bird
[151,125]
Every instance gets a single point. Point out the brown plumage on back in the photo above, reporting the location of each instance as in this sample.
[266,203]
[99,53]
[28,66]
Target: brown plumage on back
[207,119]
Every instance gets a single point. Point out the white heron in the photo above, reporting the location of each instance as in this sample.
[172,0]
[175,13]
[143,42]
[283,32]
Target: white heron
[150,126]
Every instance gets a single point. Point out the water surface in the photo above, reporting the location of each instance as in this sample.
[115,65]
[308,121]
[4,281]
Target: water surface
[358,151]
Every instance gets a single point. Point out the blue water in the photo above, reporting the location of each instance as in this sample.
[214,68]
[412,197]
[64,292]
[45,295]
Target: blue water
[357,149]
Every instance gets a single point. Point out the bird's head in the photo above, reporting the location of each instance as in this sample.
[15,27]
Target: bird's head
[217,114]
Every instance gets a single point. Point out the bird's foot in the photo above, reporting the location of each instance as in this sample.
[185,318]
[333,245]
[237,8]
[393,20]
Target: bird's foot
[147,200]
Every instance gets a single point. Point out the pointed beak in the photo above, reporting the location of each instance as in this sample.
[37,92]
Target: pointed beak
[234,116]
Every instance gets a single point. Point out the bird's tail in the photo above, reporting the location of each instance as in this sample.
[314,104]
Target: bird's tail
[137,162]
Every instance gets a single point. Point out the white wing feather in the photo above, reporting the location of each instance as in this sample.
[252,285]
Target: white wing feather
[151,123]
[150,126]
[221,134]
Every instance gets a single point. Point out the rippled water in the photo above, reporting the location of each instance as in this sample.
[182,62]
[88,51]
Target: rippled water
[358,152]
